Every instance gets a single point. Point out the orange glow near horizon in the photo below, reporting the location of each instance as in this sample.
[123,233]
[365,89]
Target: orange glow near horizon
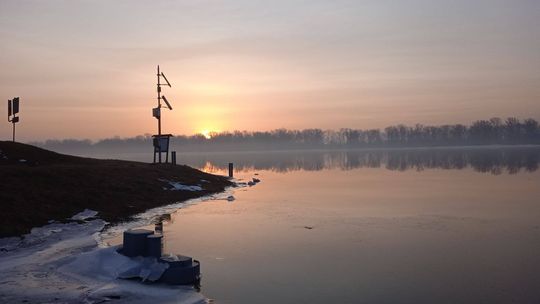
[201,115]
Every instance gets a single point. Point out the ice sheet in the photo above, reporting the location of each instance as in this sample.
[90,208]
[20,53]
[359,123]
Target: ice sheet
[61,263]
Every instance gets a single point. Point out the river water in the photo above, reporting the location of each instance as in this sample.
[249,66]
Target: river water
[399,226]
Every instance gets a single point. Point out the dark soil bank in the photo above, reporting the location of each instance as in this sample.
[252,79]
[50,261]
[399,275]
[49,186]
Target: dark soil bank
[37,186]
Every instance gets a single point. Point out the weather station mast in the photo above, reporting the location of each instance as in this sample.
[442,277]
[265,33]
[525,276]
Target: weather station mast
[161,141]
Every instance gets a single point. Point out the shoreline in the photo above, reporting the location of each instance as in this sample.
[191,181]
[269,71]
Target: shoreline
[66,263]
[73,262]
[148,217]
[40,186]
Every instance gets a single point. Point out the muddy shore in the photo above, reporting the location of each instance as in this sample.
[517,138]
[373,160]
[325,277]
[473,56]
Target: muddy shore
[37,186]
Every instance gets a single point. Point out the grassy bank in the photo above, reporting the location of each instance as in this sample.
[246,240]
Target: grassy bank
[37,186]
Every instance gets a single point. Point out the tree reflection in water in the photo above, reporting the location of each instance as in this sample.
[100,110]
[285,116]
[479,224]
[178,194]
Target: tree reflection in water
[494,160]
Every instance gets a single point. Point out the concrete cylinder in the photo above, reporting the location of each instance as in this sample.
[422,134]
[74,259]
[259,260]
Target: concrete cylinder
[135,242]
[186,271]
[154,245]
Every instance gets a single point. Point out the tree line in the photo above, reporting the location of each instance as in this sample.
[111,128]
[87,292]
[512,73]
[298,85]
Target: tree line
[494,131]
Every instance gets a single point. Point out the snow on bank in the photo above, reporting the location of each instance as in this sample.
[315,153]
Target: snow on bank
[84,215]
[61,263]
[177,186]
[2,155]
[181,187]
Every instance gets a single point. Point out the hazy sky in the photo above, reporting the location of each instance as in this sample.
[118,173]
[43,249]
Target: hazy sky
[86,69]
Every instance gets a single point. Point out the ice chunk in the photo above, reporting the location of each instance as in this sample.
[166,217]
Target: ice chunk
[146,269]
[155,270]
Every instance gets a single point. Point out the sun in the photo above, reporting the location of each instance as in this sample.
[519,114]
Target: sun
[207,133]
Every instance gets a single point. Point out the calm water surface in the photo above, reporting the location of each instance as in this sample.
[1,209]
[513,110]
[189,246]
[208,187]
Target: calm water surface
[348,227]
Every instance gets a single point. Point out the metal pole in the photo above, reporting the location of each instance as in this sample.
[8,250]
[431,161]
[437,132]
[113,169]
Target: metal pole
[13,131]
[159,100]
[159,118]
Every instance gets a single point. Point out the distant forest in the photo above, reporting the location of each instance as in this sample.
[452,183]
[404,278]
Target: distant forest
[494,131]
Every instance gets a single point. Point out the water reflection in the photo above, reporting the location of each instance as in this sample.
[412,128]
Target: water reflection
[511,160]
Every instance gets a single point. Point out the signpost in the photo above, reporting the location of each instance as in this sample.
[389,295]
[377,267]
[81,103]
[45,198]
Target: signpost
[13,109]
[161,141]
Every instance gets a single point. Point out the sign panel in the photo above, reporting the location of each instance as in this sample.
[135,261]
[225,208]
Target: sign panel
[164,144]
[9,108]
[15,105]
[161,143]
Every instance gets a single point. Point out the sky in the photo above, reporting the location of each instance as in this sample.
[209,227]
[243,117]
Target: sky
[87,69]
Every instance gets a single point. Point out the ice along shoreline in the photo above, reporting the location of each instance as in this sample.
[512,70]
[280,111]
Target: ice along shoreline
[72,263]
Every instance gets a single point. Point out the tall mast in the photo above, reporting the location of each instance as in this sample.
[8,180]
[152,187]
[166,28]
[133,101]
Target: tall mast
[159,102]
[156,112]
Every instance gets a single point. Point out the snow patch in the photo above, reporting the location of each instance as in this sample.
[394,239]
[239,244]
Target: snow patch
[176,186]
[181,187]
[84,215]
